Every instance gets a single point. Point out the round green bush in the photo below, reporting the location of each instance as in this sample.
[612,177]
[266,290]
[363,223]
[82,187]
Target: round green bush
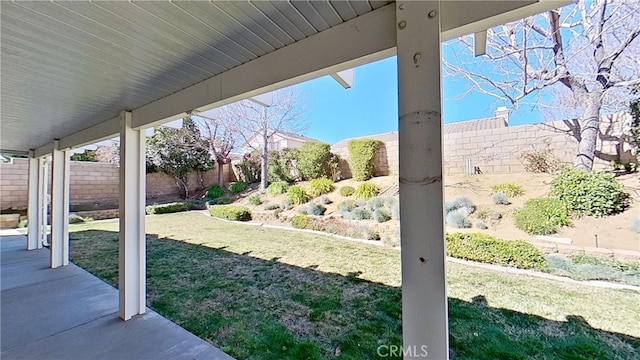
[277,188]
[381,215]
[366,191]
[320,186]
[238,187]
[255,199]
[297,196]
[215,192]
[300,221]
[347,191]
[589,193]
[541,216]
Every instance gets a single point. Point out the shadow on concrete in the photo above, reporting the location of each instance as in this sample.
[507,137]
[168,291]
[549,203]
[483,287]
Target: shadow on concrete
[262,308]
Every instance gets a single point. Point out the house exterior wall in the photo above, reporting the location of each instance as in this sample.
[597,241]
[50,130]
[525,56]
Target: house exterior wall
[499,150]
[92,182]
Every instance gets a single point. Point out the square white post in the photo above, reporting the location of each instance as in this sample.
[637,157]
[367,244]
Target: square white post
[34,215]
[59,207]
[43,200]
[132,244]
[424,298]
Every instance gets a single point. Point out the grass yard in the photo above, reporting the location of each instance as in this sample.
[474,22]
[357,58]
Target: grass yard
[274,294]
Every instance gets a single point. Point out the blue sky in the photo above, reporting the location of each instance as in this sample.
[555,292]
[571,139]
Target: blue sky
[371,105]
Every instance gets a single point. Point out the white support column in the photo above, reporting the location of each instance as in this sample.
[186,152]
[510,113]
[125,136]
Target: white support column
[34,215]
[43,200]
[132,244]
[424,298]
[59,207]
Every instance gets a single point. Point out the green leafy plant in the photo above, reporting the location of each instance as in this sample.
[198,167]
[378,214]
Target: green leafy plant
[254,199]
[297,195]
[589,193]
[366,191]
[231,212]
[215,192]
[541,159]
[509,189]
[168,208]
[362,154]
[483,213]
[348,205]
[315,160]
[488,249]
[300,221]
[542,216]
[347,191]
[238,187]
[248,170]
[381,215]
[457,219]
[277,188]
[320,186]
[500,198]
[281,165]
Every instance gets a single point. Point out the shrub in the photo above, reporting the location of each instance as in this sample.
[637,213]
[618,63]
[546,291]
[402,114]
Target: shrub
[463,204]
[375,203]
[483,213]
[315,209]
[297,196]
[168,208]
[271,206]
[500,198]
[320,186]
[368,233]
[381,215]
[254,199]
[76,219]
[481,225]
[315,160]
[221,201]
[281,165]
[366,191]
[509,189]
[488,249]
[325,200]
[587,193]
[347,205]
[496,216]
[541,216]
[248,170]
[362,154]
[347,191]
[215,192]
[360,214]
[392,239]
[286,205]
[277,188]
[300,221]
[457,219]
[231,212]
[541,160]
[237,187]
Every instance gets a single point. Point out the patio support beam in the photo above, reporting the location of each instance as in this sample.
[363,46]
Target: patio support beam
[59,207]
[424,298]
[132,244]
[34,215]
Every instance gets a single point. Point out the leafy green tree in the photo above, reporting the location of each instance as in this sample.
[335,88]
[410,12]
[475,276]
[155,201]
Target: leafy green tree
[87,155]
[177,152]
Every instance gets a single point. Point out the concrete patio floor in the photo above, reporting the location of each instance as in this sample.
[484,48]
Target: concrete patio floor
[67,313]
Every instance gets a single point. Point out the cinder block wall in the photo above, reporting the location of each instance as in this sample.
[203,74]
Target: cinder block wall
[500,150]
[92,182]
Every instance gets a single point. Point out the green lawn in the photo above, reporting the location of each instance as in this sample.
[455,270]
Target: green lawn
[274,294]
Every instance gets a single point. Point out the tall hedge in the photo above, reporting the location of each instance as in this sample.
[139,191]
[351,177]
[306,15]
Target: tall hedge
[362,154]
[315,160]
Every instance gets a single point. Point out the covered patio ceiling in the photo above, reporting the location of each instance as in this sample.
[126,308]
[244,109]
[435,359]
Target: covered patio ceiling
[69,68]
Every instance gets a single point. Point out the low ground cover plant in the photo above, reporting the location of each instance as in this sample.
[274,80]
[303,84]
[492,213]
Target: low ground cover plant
[500,198]
[589,193]
[542,216]
[509,189]
[581,267]
[320,186]
[334,226]
[168,208]
[366,191]
[231,212]
[488,249]
[347,191]
[314,209]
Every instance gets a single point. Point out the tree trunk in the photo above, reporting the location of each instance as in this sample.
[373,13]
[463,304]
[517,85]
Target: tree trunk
[263,167]
[589,129]
[221,174]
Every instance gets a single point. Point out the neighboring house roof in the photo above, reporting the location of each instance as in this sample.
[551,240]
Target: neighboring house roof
[478,124]
[285,134]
